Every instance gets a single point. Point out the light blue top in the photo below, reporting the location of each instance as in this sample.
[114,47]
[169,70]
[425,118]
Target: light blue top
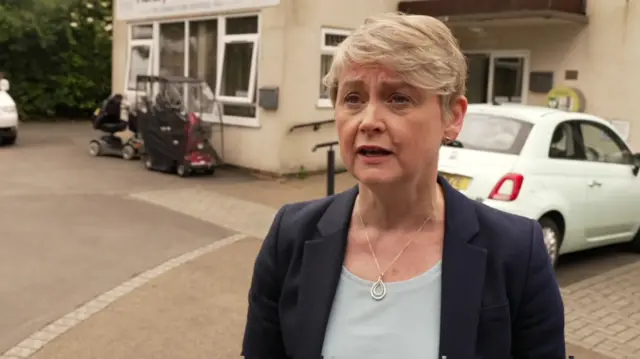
[404,324]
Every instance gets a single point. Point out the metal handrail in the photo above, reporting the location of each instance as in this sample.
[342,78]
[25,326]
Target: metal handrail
[316,125]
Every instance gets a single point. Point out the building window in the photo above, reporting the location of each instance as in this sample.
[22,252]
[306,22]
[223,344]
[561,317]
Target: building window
[203,55]
[497,77]
[223,52]
[172,49]
[236,88]
[330,40]
[203,47]
[139,59]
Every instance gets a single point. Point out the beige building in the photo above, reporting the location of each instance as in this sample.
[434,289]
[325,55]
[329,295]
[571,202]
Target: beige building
[575,54]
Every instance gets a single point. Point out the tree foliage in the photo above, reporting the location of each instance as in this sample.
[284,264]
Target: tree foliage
[56,54]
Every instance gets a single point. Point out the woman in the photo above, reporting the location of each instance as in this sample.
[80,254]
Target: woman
[402,265]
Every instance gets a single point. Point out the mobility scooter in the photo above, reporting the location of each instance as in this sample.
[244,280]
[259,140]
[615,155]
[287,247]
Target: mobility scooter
[176,139]
[107,119]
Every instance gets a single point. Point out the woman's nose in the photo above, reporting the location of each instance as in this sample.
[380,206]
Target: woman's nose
[371,121]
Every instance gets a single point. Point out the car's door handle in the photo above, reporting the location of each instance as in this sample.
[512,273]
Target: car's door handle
[594,184]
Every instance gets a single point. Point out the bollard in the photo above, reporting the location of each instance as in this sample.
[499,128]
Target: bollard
[331,165]
[331,171]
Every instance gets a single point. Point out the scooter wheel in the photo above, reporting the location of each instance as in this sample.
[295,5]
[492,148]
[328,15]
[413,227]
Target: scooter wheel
[148,164]
[94,149]
[182,170]
[128,152]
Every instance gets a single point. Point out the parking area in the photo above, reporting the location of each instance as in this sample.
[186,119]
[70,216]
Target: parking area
[73,227]
[69,231]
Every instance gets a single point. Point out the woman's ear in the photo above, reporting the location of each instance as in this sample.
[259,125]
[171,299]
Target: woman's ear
[458,110]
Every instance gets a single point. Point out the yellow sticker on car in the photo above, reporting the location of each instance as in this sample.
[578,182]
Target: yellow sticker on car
[458,182]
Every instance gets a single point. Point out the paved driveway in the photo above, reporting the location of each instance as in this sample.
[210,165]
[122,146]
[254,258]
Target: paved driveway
[68,231]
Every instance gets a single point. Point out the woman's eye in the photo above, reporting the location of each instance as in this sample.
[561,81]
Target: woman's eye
[399,99]
[352,98]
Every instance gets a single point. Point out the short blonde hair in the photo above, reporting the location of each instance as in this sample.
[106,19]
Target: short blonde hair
[421,49]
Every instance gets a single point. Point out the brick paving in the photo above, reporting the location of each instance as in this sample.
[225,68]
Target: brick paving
[603,313]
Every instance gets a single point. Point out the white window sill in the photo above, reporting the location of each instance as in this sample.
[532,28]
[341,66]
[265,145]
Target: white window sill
[324,103]
[233,120]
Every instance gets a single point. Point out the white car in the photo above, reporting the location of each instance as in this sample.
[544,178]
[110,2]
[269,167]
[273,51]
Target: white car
[8,115]
[570,171]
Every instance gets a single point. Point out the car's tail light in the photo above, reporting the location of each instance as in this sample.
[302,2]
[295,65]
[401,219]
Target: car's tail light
[507,188]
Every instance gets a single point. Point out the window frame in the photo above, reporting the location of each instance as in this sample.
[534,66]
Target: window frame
[222,40]
[576,139]
[328,50]
[137,43]
[609,132]
[131,43]
[222,47]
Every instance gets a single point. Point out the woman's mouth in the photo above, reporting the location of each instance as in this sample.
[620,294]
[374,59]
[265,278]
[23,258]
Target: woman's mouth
[373,151]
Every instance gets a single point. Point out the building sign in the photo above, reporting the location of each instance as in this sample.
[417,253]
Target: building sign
[566,99]
[148,9]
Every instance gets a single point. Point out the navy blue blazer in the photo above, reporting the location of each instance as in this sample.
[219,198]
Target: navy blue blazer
[500,298]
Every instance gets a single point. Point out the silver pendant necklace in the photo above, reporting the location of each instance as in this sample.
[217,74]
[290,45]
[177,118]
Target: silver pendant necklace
[379,289]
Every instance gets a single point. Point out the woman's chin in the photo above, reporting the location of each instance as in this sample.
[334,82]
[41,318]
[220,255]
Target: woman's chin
[375,177]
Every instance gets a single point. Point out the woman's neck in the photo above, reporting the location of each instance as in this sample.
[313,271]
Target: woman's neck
[406,208]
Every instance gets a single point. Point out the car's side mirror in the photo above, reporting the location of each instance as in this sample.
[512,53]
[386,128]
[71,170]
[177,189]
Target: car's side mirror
[4,85]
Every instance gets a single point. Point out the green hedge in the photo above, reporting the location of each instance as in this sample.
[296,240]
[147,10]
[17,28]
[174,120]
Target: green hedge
[56,54]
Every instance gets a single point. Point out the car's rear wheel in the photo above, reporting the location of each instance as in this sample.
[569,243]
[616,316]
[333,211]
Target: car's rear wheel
[552,238]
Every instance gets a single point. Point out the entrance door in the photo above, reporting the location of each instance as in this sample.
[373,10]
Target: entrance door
[498,77]
[508,78]
[478,78]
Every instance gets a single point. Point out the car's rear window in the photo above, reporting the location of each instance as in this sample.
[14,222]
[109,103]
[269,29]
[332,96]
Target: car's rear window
[491,133]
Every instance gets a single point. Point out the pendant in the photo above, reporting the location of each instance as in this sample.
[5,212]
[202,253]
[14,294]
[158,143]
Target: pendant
[378,290]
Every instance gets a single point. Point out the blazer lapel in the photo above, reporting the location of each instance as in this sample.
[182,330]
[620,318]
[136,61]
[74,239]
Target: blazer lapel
[320,273]
[463,271]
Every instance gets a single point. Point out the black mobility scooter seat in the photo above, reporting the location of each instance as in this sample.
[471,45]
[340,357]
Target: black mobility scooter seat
[113,127]
[108,120]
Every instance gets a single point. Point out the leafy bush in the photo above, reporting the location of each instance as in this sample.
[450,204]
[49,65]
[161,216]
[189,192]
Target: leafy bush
[56,54]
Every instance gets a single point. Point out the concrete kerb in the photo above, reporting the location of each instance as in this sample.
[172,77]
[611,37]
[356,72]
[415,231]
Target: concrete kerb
[224,211]
[36,341]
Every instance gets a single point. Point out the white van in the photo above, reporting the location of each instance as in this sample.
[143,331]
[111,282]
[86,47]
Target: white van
[8,115]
